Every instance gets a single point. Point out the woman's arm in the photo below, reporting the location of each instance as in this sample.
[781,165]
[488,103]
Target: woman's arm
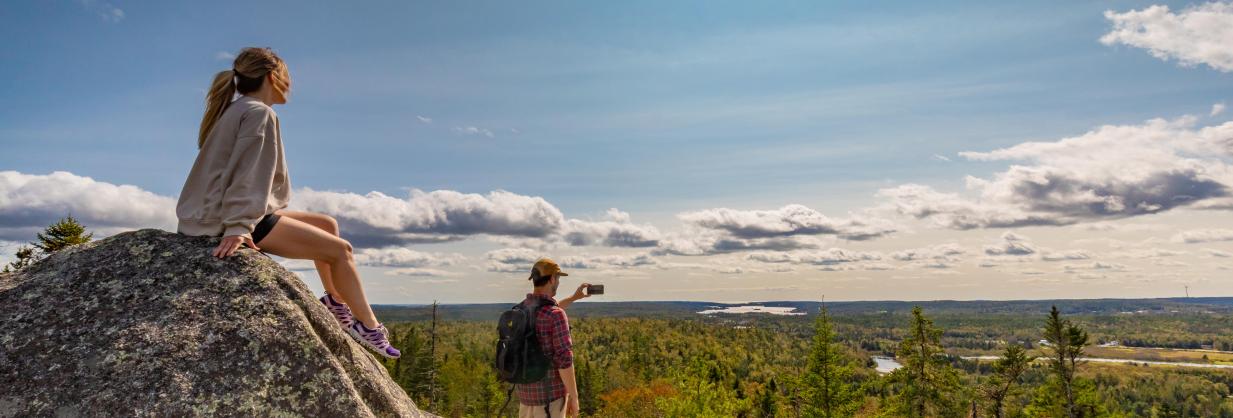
[252,166]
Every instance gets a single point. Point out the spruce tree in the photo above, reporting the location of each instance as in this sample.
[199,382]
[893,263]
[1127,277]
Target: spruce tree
[25,257]
[64,233]
[1006,373]
[829,391]
[928,384]
[1066,342]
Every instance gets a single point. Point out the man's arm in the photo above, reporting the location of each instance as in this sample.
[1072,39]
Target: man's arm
[578,294]
[571,391]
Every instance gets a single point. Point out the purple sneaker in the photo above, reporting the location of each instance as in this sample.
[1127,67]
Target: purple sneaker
[339,309]
[374,339]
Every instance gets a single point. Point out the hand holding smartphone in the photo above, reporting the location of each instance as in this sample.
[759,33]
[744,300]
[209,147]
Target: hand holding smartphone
[595,289]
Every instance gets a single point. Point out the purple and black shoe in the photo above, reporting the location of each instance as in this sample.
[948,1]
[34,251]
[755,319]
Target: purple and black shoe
[340,310]
[374,339]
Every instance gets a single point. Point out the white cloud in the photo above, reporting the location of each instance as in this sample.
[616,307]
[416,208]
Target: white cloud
[941,157]
[1217,109]
[473,131]
[617,231]
[696,241]
[1146,253]
[511,260]
[1108,173]
[1196,236]
[31,202]
[787,221]
[1011,244]
[224,56]
[1050,255]
[1097,265]
[944,252]
[423,119]
[606,261]
[424,272]
[1200,34]
[828,257]
[405,257]
[376,219]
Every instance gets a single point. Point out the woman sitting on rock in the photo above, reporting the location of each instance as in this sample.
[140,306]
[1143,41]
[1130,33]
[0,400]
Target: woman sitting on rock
[238,189]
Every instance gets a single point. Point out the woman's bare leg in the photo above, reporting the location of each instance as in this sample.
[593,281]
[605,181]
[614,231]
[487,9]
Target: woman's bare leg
[292,238]
[325,223]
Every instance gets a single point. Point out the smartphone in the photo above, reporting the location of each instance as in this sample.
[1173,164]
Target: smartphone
[595,289]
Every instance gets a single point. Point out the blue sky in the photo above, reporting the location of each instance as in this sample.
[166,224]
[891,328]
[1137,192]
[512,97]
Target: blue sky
[654,109]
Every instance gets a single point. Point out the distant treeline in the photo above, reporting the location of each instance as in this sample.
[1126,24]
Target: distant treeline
[690,365]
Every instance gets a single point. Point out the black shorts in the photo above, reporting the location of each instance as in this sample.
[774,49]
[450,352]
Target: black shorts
[264,227]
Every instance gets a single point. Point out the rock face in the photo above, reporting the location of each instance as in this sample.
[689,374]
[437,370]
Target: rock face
[147,323]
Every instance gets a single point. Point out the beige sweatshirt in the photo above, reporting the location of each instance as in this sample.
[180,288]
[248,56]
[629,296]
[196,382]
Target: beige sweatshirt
[240,174]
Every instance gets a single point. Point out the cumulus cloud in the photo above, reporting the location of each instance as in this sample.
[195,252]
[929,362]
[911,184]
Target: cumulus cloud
[1011,244]
[698,242]
[1146,253]
[1199,34]
[1015,248]
[511,260]
[616,231]
[606,261]
[1196,236]
[787,221]
[423,119]
[376,219]
[1108,173]
[1217,109]
[30,202]
[828,257]
[423,272]
[1097,265]
[1050,255]
[405,257]
[943,252]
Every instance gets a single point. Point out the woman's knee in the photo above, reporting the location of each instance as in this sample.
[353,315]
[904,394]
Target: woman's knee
[340,251]
[329,224]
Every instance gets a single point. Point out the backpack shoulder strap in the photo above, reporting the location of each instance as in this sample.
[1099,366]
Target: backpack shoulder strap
[535,307]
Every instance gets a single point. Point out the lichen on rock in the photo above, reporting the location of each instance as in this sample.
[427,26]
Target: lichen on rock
[148,323]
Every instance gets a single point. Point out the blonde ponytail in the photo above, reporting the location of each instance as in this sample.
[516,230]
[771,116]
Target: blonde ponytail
[217,100]
[247,73]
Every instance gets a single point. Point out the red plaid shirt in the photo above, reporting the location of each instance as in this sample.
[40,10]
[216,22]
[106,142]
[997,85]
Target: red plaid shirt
[552,330]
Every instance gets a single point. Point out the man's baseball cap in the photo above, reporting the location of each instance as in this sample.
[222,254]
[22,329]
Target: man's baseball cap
[545,267]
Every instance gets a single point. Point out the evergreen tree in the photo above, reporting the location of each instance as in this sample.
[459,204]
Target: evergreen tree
[25,257]
[1007,370]
[1066,342]
[829,391]
[928,385]
[64,233]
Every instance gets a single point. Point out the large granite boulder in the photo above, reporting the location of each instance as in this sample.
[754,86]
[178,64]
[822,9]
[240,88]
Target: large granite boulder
[147,323]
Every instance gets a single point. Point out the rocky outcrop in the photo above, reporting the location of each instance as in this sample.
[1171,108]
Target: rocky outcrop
[147,323]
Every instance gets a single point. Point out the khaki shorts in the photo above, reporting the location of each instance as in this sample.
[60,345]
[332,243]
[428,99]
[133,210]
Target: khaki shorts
[557,408]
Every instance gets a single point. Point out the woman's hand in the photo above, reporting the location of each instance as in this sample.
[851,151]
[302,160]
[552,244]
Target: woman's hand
[231,243]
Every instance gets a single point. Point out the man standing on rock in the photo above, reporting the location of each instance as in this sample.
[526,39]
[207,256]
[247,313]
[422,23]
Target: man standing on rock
[557,394]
